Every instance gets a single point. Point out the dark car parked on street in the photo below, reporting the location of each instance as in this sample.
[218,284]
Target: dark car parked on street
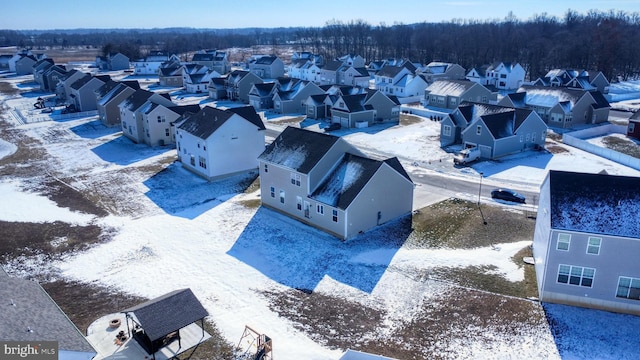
[332,126]
[508,195]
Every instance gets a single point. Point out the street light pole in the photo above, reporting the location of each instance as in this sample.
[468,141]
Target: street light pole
[479,194]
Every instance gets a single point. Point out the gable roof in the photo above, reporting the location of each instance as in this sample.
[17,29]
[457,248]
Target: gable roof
[168,313]
[595,203]
[549,96]
[356,103]
[265,60]
[209,119]
[298,149]
[505,124]
[26,306]
[450,87]
[137,99]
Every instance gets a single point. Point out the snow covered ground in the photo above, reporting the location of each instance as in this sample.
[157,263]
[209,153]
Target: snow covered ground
[186,232]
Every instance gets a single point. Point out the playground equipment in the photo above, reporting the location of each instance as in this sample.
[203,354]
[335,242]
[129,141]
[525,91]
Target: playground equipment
[255,346]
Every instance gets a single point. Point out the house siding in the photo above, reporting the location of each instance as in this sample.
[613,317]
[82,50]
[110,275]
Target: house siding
[387,193]
[110,113]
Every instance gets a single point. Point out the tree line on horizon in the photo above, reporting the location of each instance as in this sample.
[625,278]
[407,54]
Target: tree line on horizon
[596,41]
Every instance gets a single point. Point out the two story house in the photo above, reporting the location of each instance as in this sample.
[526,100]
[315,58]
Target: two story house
[158,121]
[113,62]
[496,130]
[363,110]
[214,142]
[81,92]
[213,59]
[238,84]
[502,75]
[323,181]
[448,94]
[292,99]
[438,70]
[586,241]
[109,97]
[561,107]
[131,112]
[150,64]
[267,67]
[577,79]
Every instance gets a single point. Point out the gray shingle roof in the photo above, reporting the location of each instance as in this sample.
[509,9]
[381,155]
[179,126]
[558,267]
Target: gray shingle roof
[205,122]
[168,313]
[298,149]
[33,309]
[595,203]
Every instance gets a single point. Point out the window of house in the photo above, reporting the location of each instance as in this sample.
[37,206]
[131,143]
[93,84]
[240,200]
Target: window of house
[272,191]
[521,138]
[478,130]
[528,137]
[628,288]
[334,215]
[503,76]
[295,179]
[320,209]
[166,132]
[485,99]
[298,202]
[282,196]
[564,240]
[266,168]
[454,101]
[533,136]
[632,127]
[593,247]
[446,130]
[576,275]
[202,162]
[193,160]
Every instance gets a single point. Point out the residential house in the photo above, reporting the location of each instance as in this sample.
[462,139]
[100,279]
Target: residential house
[387,107]
[323,181]
[292,100]
[497,130]
[267,67]
[213,59]
[4,62]
[561,107]
[158,121]
[328,74]
[448,94]
[239,83]
[52,76]
[217,88]
[216,142]
[150,64]
[82,96]
[170,75]
[305,66]
[109,96]
[633,128]
[437,70]
[63,88]
[351,111]
[502,75]
[39,70]
[306,55]
[577,79]
[388,76]
[353,76]
[113,62]
[319,106]
[132,121]
[353,60]
[24,64]
[261,95]
[586,241]
[196,83]
[29,314]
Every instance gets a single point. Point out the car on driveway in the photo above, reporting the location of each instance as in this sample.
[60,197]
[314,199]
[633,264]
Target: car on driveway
[508,195]
[332,127]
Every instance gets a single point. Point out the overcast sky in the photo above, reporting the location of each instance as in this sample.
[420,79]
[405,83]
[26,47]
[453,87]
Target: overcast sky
[72,14]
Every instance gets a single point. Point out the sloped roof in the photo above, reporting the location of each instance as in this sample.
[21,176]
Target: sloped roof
[549,96]
[265,60]
[601,101]
[346,181]
[450,87]
[81,82]
[168,313]
[389,71]
[298,149]
[209,119]
[518,99]
[34,310]
[332,65]
[355,103]
[265,89]
[595,203]
[105,88]
[202,57]
[137,99]
[505,124]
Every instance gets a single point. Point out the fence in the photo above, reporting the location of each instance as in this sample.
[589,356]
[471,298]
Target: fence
[575,139]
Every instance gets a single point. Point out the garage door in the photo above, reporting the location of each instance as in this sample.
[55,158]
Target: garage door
[340,120]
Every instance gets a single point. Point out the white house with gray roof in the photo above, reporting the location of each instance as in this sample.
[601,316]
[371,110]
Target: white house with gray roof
[502,75]
[216,142]
[323,181]
[587,240]
[29,314]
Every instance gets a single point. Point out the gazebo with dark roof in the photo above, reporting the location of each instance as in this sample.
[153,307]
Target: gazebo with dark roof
[157,322]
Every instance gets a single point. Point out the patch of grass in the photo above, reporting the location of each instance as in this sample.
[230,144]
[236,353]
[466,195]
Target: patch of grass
[329,320]
[288,121]
[554,136]
[555,149]
[66,196]
[253,187]
[458,224]
[623,146]
[251,203]
[407,119]
[8,89]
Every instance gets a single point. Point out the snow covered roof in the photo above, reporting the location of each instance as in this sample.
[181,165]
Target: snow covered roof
[298,149]
[549,96]
[264,89]
[450,87]
[595,203]
[136,99]
[205,122]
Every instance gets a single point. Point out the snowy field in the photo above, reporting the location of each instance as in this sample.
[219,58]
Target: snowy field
[179,231]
